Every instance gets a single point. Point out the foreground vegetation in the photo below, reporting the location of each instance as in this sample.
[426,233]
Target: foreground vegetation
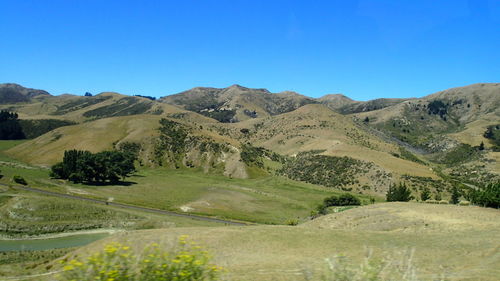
[29,262]
[117,262]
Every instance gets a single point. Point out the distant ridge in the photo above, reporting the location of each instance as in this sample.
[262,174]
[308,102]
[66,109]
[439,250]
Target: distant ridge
[14,93]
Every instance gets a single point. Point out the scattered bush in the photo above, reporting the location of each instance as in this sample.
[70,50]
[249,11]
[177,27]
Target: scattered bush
[326,170]
[292,222]
[19,180]
[117,262]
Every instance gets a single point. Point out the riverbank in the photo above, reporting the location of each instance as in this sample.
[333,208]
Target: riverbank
[62,234]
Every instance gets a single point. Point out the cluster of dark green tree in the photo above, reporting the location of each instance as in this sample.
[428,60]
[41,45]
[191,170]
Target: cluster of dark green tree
[84,166]
[345,199]
[398,192]
[10,129]
[487,196]
[437,107]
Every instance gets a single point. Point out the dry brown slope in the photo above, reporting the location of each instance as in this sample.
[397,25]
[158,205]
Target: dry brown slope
[410,218]
[315,127]
[469,252]
[93,136]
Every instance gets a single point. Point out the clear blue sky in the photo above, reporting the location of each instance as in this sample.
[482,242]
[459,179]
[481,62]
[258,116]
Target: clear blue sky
[365,49]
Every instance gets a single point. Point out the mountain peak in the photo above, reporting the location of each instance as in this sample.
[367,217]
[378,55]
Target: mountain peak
[337,96]
[236,86]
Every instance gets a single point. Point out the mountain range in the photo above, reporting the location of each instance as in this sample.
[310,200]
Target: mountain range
[434,142]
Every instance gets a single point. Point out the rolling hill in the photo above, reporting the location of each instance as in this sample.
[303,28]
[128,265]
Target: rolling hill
[251,155]
[241,132]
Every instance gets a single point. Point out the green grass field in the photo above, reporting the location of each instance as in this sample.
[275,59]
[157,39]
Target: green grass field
[265,199]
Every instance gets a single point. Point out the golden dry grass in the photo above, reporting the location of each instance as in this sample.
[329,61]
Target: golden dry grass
[469,250]
[94,136]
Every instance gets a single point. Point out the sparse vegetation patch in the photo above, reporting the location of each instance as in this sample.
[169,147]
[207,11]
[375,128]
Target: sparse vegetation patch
[324,170]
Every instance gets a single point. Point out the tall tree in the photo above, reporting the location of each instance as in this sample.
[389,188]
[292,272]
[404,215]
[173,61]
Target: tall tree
[398,193]
[455,195]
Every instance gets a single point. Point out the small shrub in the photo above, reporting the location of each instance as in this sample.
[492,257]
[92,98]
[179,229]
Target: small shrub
[426,194]
[292,222]
[464,203]
[19,180]
[321,209]
[118,263]
[437,196]
[443,202]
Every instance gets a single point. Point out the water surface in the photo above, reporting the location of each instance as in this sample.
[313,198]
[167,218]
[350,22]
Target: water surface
[50,243]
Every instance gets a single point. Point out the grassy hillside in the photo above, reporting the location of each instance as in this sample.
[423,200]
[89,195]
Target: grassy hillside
[424,138]
[78,108]
[317,128]
[264,199]
[287,253]
[448,127]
